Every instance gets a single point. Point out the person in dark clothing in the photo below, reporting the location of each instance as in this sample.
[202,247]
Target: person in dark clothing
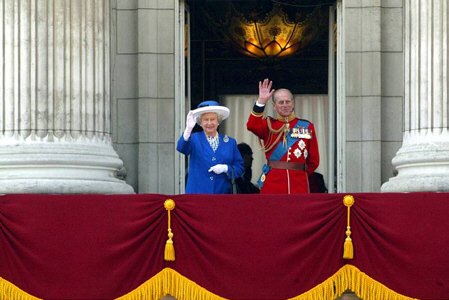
[244,184]
[316,183]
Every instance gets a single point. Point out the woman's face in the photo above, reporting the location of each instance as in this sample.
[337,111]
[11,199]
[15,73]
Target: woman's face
[209,123]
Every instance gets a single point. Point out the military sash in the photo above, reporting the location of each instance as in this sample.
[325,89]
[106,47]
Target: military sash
[280,150]
[298,131]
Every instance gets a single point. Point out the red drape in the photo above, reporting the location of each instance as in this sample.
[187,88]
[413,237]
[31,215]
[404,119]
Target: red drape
[235,246]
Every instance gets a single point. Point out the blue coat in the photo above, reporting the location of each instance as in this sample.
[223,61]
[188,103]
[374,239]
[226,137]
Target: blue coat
[202,158]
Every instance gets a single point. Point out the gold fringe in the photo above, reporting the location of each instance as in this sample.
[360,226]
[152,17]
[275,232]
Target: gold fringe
[348,250]
[169,253]
[170,282]
[9,291]
[351,278]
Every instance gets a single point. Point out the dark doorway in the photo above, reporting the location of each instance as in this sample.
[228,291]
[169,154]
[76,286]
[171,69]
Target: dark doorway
[217,68]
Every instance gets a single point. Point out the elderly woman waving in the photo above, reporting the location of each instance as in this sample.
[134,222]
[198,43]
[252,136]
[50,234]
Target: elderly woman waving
[214,159]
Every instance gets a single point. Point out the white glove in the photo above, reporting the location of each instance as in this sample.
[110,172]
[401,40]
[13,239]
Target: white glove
[218,169]
[190,123]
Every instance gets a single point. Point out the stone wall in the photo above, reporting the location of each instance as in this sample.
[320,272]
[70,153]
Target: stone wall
[144,92]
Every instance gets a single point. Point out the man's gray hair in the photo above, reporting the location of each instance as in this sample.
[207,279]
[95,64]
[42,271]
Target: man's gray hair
[284,91]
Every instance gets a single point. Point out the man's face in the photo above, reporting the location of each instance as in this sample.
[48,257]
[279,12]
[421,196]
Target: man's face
[283,104]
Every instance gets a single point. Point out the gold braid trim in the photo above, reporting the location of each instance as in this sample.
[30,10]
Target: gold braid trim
[257,114]
[351,278]
[270,141]
[168,281]
[9,291]
[286,119]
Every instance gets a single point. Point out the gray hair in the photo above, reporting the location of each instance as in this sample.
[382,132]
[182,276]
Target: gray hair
[282,91]
[219,117]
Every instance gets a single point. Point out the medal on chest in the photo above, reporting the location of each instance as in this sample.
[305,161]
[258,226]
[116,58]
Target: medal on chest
[301,133]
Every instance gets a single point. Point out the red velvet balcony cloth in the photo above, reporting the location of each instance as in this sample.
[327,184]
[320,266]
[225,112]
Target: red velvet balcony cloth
[81,246]
[235,246]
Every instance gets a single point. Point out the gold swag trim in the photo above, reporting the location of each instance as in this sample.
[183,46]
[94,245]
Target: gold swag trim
[9,291]
[168,281]
[351,278]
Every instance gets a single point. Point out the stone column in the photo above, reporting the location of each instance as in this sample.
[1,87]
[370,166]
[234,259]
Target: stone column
[55,91]
[423,160]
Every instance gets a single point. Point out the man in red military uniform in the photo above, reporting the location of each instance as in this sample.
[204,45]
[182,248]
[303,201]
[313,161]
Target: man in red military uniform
[290,143]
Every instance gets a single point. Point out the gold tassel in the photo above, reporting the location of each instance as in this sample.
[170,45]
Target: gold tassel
[169,253]
[348,250]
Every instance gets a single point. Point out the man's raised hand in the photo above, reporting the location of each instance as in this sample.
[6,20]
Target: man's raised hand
[265,91]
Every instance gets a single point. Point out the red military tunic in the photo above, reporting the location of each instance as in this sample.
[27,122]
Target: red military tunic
[297,156]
